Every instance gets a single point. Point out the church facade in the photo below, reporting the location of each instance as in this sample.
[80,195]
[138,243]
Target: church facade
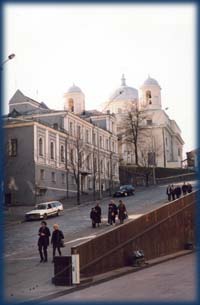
[48,150]
[159,141]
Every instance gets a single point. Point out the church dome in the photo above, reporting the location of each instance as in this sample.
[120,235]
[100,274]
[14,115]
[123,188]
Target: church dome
[151,82]
[73,89]
[124,92]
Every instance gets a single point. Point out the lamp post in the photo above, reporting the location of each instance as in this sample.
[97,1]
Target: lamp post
[11,56]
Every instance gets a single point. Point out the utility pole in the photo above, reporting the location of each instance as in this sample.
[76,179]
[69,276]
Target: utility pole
[66,168]
[99,169]
[164,153]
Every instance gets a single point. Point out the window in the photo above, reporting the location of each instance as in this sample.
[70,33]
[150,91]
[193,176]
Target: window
[107,144]
[71,128]
[55,126]
[40,147]
[53,177]
[94,138]
[78,131]
[149,122]
[108,168]
[42,174]
[62,153]
[63,178]
[52,150]
[100,140]
[71,155]
[179,152]
[119,110]
[71,104]
[87,136]
[113,146]
[13,148]
[101,164]
[151,158]
[95,164]
[148,97]
[88,162]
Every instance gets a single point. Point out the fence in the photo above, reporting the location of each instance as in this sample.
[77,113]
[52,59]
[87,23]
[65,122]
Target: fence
[160,232]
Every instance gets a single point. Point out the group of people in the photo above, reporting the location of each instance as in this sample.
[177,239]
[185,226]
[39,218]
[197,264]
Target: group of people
[174,191]
[43,241]
[113,211]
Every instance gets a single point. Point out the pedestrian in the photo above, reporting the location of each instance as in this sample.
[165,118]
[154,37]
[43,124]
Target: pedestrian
[177,191]
[43,241]
[169,192]
[122,212]
[98,210]
[112,212]
[56,240]
[189,188]
[184,189]
[93,216]
[173,192]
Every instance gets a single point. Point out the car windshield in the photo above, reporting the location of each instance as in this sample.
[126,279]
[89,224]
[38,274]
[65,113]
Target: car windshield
[41,207]
[122,188]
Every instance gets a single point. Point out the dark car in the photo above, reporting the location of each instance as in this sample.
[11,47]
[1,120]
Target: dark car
[125,190]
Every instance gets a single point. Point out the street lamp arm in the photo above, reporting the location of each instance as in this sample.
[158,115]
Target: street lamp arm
[11,56]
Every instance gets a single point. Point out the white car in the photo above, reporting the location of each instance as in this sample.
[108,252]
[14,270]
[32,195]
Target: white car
[44,210]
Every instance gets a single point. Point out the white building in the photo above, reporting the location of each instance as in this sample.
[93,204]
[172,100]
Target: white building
[160,136]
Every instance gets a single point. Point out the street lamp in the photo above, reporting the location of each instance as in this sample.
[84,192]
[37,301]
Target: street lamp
[11,56]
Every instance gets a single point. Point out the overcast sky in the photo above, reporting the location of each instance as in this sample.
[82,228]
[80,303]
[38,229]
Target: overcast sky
[92,45]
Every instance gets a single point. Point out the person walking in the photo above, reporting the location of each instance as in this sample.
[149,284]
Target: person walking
[169,192]
[56,240]
[173,192]
[112,212]
[189,188]
[122,212]
[98,211]
[93,216]
[43,241]
[177,191]
[184,189]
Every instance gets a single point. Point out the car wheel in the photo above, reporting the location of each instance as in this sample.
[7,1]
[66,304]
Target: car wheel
[45,216]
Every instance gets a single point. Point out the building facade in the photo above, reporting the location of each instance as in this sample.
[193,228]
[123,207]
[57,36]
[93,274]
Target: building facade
[159,140]
[47,149]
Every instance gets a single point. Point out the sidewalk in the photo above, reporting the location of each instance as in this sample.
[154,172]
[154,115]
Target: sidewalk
[43,291]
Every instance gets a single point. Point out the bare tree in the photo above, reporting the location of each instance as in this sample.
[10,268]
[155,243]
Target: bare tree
[132,129]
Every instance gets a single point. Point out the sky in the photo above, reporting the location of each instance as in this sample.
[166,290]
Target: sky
[93,45]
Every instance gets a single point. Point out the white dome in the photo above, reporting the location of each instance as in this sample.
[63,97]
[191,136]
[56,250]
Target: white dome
[151,82]
[124,93]
[74,89]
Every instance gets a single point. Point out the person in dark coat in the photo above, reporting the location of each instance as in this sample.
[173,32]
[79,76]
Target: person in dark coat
[112,212]
[94,217]
[122,213]
[169,192]
[177,191]
[184,188]
[43,241]
[173,192]
[189,188]
[98,210]
[56,240]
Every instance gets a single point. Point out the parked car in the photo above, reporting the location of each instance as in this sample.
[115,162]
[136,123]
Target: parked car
[125,190]
[44,210]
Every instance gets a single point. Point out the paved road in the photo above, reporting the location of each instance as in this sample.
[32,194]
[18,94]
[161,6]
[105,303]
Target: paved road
[21,253]
[174,280]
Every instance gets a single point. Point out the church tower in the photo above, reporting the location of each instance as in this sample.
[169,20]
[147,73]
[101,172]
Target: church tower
[150,97]
[74,100]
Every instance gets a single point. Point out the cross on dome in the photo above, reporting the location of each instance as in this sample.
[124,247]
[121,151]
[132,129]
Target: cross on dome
[123,80]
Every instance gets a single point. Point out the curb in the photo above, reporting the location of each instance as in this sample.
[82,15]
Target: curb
[112,275]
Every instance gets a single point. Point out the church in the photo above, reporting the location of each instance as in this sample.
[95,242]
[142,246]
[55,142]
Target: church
[158,138]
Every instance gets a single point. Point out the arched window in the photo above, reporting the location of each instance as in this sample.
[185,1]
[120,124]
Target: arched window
[62,153]
[148,97]
[52,150]
[40,147]
[71,105]
[72,156]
